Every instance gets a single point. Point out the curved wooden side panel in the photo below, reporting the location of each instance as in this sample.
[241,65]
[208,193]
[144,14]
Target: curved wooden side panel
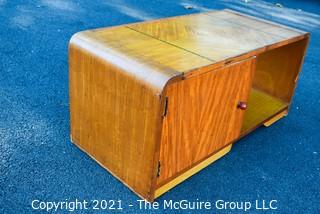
[115,118]
[127,60]
[278,70]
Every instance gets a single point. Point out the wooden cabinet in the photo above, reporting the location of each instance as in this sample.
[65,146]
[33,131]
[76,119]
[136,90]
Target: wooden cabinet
[155,102]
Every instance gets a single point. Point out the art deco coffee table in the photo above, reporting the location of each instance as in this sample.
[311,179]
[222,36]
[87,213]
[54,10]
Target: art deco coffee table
[157,101]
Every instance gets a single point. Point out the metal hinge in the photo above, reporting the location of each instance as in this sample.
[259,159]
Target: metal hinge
[158,170]
[165,110]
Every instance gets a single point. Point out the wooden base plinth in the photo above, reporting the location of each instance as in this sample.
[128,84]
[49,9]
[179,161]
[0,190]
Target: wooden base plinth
[166,187]
[275,118]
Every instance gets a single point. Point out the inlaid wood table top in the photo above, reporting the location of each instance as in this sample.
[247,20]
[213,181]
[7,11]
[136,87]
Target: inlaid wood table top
[178,46]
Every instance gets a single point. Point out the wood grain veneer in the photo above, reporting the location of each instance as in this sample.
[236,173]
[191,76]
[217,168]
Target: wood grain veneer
[193,116]
[114,118]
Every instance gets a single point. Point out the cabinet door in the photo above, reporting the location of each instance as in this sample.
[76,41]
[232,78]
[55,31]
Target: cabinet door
[203,116]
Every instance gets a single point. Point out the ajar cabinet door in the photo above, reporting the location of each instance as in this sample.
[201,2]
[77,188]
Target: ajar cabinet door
[202,116]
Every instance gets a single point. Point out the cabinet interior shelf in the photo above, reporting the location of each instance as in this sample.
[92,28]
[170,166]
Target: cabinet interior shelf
[260,107]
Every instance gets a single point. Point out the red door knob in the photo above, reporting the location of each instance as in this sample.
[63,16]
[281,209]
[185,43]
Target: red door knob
[242,105]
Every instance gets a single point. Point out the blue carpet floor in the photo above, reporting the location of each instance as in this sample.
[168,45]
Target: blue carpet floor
[37,160]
